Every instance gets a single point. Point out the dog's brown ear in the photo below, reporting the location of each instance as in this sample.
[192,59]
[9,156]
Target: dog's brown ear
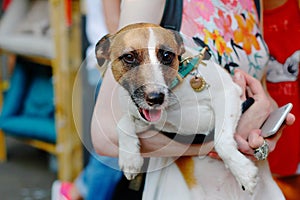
[102,50]
[179,41]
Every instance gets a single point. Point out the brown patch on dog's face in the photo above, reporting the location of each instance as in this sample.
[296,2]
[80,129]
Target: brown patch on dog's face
[130,49]
[144,60]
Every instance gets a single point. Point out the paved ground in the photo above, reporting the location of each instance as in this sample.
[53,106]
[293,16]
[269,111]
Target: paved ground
[26,174]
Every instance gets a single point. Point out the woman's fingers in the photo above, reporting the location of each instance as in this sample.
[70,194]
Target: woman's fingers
[255,139]
[214,154]
[290,119]
[239,79]
[243,145]
[252,83]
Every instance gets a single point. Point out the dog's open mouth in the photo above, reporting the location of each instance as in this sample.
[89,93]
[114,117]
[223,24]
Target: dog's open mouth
[152,115]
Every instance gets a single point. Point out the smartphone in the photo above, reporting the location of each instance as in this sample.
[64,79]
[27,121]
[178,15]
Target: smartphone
[275,120]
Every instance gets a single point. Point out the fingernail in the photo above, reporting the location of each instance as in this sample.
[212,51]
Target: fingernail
[237,76]
[212,154]
[259,132]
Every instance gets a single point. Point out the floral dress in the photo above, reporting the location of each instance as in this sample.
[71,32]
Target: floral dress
[230,29]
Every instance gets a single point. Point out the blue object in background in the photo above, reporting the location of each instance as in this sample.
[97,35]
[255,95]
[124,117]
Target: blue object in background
[28,106]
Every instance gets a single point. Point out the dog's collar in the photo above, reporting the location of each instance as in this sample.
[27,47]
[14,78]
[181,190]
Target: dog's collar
[188,64]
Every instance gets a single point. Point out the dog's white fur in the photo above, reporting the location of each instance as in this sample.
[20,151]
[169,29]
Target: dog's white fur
[216,108]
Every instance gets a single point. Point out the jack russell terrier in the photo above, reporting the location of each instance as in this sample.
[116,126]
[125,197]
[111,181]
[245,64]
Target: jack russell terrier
[145,59]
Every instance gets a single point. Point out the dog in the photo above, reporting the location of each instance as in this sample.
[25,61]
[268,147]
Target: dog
[145,59]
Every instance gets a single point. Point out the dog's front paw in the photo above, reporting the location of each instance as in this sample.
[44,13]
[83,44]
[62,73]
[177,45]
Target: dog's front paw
[246,175]
[131,165]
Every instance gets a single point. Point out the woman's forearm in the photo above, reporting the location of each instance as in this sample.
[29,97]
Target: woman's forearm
[135,11]
[111,9]
[153,143]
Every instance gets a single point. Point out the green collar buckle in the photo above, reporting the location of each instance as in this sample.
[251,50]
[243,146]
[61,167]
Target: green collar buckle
[187,65]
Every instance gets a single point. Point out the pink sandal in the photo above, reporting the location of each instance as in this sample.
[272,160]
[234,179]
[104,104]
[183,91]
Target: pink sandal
[61,190]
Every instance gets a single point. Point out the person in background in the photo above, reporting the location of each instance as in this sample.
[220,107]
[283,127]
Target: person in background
[101,174]
[281,33]
[217,24]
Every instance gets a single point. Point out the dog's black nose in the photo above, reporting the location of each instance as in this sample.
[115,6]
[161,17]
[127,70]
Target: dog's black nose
[155,98]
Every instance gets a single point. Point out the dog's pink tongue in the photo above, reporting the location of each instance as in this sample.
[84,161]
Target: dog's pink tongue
[152,115]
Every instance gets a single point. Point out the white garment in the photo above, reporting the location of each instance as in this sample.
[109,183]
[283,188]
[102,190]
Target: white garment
[165,182]
[160,183]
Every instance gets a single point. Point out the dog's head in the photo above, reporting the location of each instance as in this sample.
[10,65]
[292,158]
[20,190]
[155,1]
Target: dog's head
[144,60]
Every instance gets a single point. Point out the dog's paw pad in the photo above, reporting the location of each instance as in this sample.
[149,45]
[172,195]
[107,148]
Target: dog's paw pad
[246,174]
[249,178]
[130,176]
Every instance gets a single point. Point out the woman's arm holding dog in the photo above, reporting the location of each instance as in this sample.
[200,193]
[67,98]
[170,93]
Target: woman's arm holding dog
[107,113]
[104,122]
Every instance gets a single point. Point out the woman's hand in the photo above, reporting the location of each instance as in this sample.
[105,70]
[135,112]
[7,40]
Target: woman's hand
[254,117]
[248,135]
[255,140]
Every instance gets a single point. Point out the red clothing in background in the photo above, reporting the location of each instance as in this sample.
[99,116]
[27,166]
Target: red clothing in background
[282,34]
[5,4]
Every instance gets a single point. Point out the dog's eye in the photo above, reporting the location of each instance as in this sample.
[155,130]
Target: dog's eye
[166,57]
[128,58]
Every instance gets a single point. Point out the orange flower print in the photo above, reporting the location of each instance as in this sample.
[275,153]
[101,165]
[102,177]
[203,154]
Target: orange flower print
[218,40]
[244,34]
